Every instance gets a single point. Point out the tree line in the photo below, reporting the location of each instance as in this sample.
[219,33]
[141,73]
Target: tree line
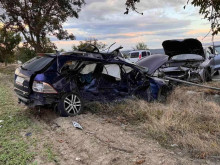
[36,20]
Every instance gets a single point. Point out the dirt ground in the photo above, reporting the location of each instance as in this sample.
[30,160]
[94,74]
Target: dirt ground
[101,142]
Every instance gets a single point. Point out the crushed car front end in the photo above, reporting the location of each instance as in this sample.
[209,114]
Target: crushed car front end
[187,61]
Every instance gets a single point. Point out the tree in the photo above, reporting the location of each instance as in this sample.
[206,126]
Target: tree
[62,50]
[87,45]
[209,8]
[8,42]
[141,46]
[24,54]
[211,11]
[36,19]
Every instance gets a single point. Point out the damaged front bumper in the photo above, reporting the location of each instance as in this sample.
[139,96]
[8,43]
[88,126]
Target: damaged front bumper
[38,99]
[184,73]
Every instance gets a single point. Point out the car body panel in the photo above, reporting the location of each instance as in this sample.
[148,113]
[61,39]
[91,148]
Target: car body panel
[216,62]
[185,46]
[153,62]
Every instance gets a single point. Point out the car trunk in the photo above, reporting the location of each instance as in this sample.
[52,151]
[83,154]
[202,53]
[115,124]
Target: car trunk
[24,75]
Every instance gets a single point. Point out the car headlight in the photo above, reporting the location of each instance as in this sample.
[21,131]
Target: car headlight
[43,87]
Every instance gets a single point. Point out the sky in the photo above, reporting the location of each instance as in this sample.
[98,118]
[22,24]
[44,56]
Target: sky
[162,20]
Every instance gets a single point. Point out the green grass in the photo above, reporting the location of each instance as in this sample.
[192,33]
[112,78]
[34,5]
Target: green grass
[51,156]
[13,149]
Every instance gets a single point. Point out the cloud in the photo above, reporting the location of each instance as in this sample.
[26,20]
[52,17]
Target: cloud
[198,31]
[105,20]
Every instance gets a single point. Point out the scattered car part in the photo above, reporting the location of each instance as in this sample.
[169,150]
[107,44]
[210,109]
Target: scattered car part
[77,125]
[190,83]
[28,134]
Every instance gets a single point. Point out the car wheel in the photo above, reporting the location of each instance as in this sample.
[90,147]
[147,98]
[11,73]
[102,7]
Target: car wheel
[207,76]
[70,104]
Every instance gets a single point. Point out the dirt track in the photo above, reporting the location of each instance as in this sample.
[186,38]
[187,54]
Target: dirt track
[100,142]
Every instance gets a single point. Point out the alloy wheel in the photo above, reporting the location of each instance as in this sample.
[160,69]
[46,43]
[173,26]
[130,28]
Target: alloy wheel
[72,104]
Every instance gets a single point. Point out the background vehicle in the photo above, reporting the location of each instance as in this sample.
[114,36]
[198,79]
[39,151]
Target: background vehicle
[188,61]
[213,53]
[68,80]
[215,50]
[136,55]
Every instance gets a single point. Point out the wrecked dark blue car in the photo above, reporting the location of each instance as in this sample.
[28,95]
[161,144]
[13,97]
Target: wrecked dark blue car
[69,80]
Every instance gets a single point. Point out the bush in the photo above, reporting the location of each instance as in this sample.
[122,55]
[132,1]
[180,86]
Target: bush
[24,54]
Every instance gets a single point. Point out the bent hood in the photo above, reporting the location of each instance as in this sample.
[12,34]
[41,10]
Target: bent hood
[186,46]
[152,62]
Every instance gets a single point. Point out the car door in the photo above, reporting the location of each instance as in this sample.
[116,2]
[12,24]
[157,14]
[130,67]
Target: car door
[217,62]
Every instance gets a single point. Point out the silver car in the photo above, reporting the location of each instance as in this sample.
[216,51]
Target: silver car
[185,60]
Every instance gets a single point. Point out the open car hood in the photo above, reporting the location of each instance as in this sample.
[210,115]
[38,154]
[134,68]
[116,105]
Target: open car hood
[186,46]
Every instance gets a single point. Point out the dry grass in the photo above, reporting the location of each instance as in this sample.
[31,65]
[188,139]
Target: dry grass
[190,119]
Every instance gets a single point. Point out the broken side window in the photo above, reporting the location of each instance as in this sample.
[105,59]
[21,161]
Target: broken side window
[127,69]
[112,70]
[88,69]
[69,65]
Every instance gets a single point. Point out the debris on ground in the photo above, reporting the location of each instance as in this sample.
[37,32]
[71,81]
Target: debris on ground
[141,161]
[174,145]
[60,141]
[77,125]
[78,159]
[1,121]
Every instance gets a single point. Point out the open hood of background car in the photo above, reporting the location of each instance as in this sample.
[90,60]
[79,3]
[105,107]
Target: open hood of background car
[186,46]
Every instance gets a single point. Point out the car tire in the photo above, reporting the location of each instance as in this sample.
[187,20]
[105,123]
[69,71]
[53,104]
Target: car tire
[70,104]
[207,76]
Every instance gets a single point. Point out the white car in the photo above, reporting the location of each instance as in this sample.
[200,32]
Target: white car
[136,55]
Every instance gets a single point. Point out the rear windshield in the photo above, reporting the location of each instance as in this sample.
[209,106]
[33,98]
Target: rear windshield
[134,55]
[37,63]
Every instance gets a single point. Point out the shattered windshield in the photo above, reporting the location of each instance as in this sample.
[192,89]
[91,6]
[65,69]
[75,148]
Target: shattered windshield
[183,57]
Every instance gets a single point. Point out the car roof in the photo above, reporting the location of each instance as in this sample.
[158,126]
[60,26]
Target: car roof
[134,51]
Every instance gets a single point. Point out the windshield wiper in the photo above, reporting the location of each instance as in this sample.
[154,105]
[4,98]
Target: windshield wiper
[23,68]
